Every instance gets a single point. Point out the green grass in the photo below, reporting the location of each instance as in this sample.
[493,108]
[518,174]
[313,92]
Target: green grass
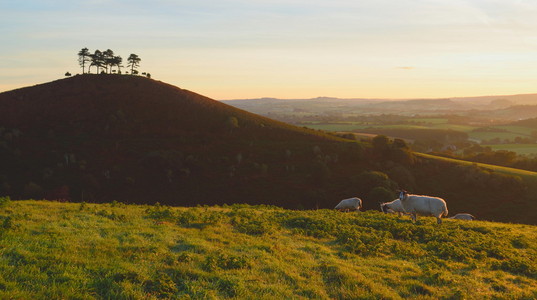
[500,169]
[51,250]
[508,132]
[524,149]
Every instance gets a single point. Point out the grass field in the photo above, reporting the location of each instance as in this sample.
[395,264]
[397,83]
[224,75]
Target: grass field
[505,132]
[524,149]
[51,250]
[500,169]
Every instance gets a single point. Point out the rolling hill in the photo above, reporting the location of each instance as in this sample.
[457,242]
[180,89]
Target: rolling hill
[128,138]
[99,138]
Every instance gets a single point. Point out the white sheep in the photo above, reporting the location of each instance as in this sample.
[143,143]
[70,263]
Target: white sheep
[349,204]
[394,207]
[423,205]
[463,216]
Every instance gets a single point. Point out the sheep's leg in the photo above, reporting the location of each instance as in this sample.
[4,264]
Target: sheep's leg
[438,220]
[413,215]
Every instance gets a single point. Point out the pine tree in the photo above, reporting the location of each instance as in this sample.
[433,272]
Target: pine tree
[84,56]
[134,62]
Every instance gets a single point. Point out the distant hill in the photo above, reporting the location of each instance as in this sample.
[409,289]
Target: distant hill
[499,107]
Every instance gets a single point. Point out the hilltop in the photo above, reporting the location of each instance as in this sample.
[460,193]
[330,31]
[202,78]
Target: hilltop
[52,250]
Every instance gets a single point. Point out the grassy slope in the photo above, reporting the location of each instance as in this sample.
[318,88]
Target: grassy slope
[523,149]
[500,169]
[84,251]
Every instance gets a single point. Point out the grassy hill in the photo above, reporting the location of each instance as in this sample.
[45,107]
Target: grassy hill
[51,250]
[99,138]
[129,138]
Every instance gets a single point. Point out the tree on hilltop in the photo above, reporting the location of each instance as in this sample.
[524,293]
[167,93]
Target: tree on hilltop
[83,58]
[134,62]
[116,61]
[108,59]
[97,60]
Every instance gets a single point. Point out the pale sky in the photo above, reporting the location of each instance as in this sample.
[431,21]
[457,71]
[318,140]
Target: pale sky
[234,49]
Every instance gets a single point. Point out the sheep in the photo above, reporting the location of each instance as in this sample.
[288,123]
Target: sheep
[393,207]
[463,216]
[423,205]
[349,204]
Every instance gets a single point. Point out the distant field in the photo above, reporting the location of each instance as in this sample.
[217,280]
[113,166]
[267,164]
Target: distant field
[524,149]
[478,135]
[336,127]
[431,120]
[505,132]
[499,169]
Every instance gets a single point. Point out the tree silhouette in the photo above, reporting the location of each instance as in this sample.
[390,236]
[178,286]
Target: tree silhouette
[108,58]
[97,60]
[134,62]
[83,58]
[116,61]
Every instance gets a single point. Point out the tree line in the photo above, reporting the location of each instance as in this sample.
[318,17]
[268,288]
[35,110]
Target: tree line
[105,61]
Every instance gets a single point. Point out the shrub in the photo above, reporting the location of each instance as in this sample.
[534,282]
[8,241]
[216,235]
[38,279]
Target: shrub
[186,217]
[364,242]
[4,201]
[162,286]
[251,222]
[160,212]
[225,262]
[516,265]
[317,227]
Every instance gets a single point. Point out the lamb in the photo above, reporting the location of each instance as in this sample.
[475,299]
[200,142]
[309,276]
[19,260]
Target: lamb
[349,204]
[423,205]
[393,207]
[463,216]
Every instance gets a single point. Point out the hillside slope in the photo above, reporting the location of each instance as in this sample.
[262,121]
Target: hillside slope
[51,250]
[128,138]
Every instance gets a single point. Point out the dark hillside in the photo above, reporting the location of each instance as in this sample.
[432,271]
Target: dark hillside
[112,137]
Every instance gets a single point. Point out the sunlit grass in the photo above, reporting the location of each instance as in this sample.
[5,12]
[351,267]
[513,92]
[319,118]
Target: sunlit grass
[116,251]
[504,170]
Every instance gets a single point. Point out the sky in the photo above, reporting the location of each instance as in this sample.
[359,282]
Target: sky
[238,49]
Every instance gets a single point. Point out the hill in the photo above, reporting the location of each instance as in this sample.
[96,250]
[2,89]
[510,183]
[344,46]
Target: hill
[99,138]
[129,138]
[52,250]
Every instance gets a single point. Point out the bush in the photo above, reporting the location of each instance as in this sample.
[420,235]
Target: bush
[516,265]
[4,201]
[251,222]
[364,242]
[315,227]
[225,262]
[162,286]
[159,212]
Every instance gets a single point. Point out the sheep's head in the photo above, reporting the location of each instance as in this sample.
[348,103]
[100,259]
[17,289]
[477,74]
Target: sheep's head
[402,195]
